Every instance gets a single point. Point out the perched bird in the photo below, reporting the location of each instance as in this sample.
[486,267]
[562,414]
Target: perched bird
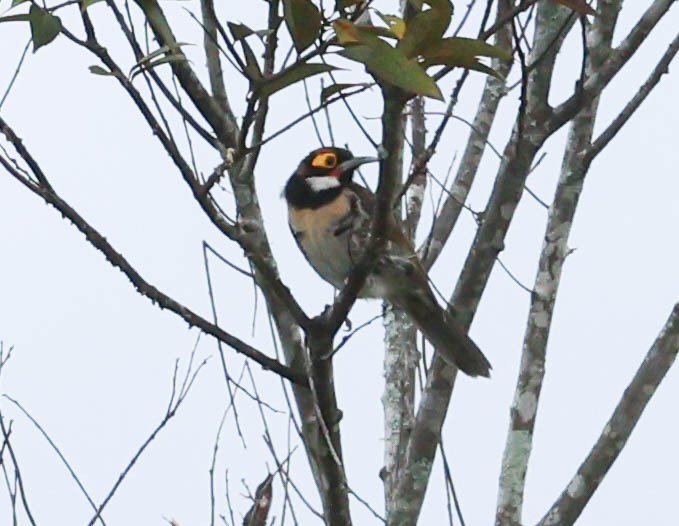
[330,217]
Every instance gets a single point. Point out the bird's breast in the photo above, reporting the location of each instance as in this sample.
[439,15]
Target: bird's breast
[314,229]
[327,236]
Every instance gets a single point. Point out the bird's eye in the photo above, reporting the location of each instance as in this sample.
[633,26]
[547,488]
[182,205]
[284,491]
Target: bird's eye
[324,160]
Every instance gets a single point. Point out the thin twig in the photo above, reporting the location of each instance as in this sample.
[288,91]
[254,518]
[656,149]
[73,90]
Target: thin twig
[140,284]
[56,450]
[347,337]
[17,472]
[450,484]
[178,397]
[16,73]
[661,68]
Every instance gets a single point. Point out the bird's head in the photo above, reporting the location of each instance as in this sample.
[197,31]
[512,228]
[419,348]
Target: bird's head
[330,167]
[321,175]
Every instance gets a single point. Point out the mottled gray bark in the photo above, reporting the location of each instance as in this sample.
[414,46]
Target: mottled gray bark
[579,152]
[567,508]
[554,252]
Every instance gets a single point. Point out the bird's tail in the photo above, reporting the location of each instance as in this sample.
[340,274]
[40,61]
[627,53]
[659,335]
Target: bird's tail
[444,332]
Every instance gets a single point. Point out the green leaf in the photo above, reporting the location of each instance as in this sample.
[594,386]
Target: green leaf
[349,33]
[149,61]
[239,31]
[44,26]
[463,52]
[304,22]
[15,18]
[389,64]
[252,68]
[98,70]
[170,48]
[426,27]
[346,31]
[384,61]
[397,26]
[331,90]
[379,31]
[261,33]
[475,65]
[17,2]
[289,76]
[463,62]
[465,47]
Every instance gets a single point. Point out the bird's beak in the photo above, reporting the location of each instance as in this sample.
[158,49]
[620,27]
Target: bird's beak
[354,163]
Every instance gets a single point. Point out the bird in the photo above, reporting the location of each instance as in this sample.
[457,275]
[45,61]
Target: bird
[330,217]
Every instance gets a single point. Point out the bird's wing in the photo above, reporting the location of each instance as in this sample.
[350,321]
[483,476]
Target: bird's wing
[401,250]
[394,228]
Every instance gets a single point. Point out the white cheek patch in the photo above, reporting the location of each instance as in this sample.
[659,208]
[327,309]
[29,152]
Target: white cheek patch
[326,182]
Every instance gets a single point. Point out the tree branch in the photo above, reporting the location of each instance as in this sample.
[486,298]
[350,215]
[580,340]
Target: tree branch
[214,64]
[493,92]
[139,55]
[250,236]
[390,169]
[222,123]
[401,357]
[661,68]
[141,285]
[617,59]
[517,159]
[576,163]
[619,427]
[334,488]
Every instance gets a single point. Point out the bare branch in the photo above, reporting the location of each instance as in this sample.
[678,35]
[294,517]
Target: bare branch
[614,63]
[554,252]
[214,65]
[517,159]
[138,54]
[57,451]
[176,400]
[661,68]
[390,169]
[11,82]
[619,427]
[251,235]
[6,444]
[415,194]
[140,284]
[221,122]
[401,357]
[507,16]
[493,92]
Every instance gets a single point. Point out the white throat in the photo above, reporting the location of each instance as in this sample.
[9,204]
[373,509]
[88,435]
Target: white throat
[326,182]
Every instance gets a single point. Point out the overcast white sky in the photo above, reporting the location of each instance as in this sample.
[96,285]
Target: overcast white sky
[93,360]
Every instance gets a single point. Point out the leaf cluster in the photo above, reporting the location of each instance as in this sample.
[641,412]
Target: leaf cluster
[399,53]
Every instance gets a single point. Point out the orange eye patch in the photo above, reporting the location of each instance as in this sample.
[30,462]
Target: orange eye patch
[324,160]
